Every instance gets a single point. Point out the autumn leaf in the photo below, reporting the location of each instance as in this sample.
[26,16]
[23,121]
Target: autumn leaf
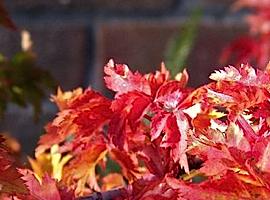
[112,181]
[11,182]
[121,80]
[245,75]
[128,163]
[158,78]
[80,173]
[10,179]
[50,163]
[152,188]
[217,189]
[46,189]
[63,99]
[82,115]
[128,112]
[171,142]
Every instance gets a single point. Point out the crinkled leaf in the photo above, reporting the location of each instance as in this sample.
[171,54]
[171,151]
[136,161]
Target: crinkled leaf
[10,179]
[128,163]
[80,172]
[11,182]
[47,189]
[121,80]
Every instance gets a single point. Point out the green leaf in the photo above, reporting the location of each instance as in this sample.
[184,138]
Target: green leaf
[23,83]
[179,47]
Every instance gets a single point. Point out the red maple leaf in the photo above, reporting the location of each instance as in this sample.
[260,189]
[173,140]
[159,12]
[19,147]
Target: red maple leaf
[155,126]
[10,179]
[83,115]
[228,187]
[83,168]
[121,80]
[255,47]
[47,189]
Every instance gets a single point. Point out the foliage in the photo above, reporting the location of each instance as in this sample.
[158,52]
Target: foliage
[22,82]
[170,141]
[253,48]
[166,140]
[180,46]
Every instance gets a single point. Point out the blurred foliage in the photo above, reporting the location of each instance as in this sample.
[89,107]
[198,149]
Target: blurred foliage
[180,46]
[22,82]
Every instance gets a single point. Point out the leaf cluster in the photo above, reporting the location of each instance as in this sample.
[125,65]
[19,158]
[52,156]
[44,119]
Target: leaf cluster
[156,139]
[164,140]
[252,48]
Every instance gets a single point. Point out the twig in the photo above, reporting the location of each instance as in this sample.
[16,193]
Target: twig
[108,195]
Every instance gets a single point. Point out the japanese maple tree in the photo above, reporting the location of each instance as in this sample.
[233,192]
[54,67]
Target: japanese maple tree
[163,139]
[253,47]
[157,138]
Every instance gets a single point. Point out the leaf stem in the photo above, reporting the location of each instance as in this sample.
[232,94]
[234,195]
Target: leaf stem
[111,194]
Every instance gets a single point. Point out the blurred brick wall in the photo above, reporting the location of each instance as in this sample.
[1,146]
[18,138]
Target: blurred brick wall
[75,38]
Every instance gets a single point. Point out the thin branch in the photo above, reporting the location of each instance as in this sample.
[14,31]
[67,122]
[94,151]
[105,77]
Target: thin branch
[108,195]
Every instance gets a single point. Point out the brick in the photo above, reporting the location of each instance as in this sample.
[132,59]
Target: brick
[94,5]
[142,44]
[60,48]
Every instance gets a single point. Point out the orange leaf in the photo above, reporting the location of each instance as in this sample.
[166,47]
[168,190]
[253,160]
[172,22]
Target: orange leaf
[112,181]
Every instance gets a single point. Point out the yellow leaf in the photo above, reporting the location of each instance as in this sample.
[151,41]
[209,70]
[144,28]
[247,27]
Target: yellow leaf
[58,162]
[214,114]
[51,163]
